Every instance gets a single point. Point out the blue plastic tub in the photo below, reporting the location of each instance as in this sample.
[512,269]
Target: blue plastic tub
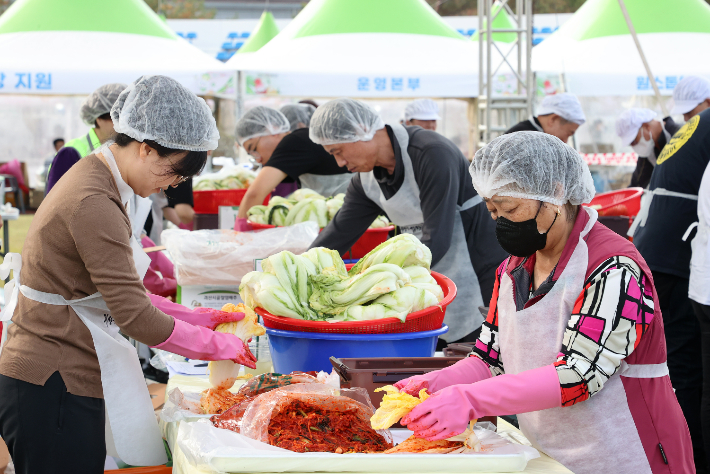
[306,351]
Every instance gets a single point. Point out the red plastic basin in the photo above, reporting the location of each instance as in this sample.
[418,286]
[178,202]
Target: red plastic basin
[624,202]
[208,202]
[428,319]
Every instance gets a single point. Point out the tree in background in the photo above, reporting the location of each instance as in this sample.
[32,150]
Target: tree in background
[180,8]
[4,4]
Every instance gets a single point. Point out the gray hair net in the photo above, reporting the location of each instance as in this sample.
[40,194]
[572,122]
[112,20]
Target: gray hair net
[100,102]
[344,121]
[532,165]
[161,109]
[261,121]
[298,113]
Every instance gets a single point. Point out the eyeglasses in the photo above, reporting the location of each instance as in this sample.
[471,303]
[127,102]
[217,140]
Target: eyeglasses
[253,151]
[178,181]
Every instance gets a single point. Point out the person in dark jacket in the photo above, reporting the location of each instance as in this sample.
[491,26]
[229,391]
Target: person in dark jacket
[559,115]
[420,180]
[668,209]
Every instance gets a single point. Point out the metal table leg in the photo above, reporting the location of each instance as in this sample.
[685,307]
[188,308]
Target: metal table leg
[5,237]
[5,242]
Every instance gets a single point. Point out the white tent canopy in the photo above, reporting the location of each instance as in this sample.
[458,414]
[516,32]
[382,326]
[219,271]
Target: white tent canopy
[368,48]
[596,54]
[74,46]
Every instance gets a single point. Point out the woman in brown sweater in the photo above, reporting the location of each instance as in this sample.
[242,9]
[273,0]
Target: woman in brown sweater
[65,371]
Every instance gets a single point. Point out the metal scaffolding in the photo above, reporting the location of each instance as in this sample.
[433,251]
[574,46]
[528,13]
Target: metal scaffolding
[498,112]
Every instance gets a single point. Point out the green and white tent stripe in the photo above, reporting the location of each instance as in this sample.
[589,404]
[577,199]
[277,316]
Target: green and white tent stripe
[74,46]
[364,48]
[597,56]
[265,31]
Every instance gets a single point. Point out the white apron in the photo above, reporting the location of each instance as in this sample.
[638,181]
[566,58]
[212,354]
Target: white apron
[404,210]
[597,435]
[326,185]
[646,201]
[132,431]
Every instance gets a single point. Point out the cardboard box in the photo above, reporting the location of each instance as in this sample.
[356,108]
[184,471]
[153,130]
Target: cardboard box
[228,217]
[207,296]
[157,394]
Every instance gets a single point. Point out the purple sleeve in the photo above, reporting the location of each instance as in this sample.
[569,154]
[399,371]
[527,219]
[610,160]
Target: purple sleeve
[63,160]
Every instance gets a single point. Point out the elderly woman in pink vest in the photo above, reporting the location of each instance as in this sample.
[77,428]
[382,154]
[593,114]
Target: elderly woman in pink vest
[573,342]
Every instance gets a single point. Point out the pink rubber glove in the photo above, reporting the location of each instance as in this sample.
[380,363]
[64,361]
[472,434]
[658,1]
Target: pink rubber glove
[206,317]
[466,371]
[159,285]
[242,225]
[184,226]
[196,342]
[447,412]
[158,260]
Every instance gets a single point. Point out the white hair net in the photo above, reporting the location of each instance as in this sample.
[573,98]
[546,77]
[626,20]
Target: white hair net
[100,102]
[629,122]
[161,109]
[421,109]
[689,93]
[298,113]
[532,165]
[344,121]
[565,105]
[261,121]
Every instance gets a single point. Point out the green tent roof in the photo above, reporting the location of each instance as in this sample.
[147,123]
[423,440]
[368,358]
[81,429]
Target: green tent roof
[113,16]
[599,18]
[501,21]
[264,32]
[373,16]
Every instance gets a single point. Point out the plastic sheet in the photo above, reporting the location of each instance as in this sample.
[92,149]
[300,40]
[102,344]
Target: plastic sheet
[223,257]
[182,406]
[215,450]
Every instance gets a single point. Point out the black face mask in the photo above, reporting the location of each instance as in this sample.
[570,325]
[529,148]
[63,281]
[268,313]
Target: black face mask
[521,239]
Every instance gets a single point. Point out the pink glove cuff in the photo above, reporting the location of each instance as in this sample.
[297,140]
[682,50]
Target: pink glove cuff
[466,371]
[447,412]
[207,317]
[195,342]
[242,225]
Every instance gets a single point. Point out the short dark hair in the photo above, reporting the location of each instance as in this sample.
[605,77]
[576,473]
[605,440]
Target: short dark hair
[106,116]
[57,140]
[309,101]
[190,165]
[572,211]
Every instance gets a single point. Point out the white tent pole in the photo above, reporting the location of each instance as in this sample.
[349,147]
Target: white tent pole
[651,78]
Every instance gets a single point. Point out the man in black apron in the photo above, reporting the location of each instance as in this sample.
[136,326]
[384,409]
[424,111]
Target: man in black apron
[420,180]
[668,209]
[559,115]
[265,135]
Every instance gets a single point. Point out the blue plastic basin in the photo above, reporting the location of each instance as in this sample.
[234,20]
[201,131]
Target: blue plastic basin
[305,351]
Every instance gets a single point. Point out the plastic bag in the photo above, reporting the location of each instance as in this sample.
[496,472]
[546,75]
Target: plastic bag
[266,382]
[182,406]
[223,257]
[256,420]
